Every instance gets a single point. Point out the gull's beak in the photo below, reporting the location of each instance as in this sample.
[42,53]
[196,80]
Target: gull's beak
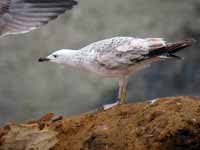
[43,59]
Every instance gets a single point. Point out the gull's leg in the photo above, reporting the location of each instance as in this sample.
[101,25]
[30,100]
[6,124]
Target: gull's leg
[121,98]
[122,89]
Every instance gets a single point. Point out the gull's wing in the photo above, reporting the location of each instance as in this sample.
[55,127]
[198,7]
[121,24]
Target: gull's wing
[124,52]
[21,16]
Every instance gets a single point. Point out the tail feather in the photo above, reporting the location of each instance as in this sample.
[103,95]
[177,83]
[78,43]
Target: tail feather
[177,46]
[169,50]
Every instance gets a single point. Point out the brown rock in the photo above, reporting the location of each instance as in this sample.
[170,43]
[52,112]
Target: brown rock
[167,124]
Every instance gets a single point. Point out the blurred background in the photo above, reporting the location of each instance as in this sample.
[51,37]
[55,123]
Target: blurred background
[29,89]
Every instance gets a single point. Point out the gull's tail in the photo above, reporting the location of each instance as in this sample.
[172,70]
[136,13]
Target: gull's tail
[175,47]
[169,50]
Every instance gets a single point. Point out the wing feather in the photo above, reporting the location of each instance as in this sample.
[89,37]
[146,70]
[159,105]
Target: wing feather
[128,52]
[20,16]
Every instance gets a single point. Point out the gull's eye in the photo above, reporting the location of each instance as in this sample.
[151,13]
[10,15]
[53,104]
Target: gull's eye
[55,56]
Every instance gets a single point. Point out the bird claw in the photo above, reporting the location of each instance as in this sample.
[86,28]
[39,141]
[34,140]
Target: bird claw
[108,106]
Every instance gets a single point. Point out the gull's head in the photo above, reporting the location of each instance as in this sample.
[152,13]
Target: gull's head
[57,57]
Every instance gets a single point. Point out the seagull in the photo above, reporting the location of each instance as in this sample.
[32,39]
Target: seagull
[118,57]
[21,16]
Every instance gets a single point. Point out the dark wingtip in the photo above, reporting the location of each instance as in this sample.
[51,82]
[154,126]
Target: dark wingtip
[190,42]
[177,46]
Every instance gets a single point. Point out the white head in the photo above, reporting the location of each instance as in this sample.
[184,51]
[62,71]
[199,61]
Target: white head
[60,56]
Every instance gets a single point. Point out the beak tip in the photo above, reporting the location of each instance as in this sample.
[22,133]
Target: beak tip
[43,59]
[40,59]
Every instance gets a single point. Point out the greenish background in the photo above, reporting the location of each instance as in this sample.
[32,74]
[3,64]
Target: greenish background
[29,89]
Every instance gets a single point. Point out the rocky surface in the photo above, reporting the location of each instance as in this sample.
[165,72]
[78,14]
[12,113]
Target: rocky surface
[166,123]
